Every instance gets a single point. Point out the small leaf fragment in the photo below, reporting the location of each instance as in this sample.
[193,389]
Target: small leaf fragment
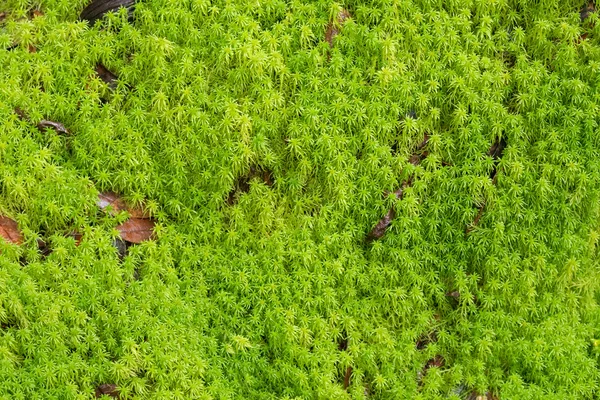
[137,230]
[9,230]
[332,30]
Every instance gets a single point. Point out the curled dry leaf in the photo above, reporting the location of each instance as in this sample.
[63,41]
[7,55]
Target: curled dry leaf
[58,127]
[137,230]
[108,77]
[332,28]
[98,8]
[109,389]
[9,230]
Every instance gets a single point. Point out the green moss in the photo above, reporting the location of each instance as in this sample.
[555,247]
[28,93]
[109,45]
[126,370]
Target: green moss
[254,294]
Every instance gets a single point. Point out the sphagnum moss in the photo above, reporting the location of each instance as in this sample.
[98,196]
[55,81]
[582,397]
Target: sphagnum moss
[264,146]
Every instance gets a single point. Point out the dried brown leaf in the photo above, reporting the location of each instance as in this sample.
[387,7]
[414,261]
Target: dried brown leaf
[497,149]
[347,376]
[118,204]
[426,339]
[586,11]
[77,236]
[96,9]
[332,28]
[22,114]
[487,396]
[111,199]
[9,230]
[108,77]
[109,389]
[379,230]
[137,230]
[243,183]
[58,127]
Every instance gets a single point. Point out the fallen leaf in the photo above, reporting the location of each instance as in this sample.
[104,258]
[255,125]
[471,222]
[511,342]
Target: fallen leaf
[9,230]
[426,339]
[487,396]
[44,249]
[121,247]
[137,230]
[36,13]
[586,11]
[379,230]
[98,8]
[2,16]
[77,236]
[118,204]
[497,149]
[437,361]
[243,183]
[109,389]
[108,77]
[58,127]
[32,48]
[111,199]
[22,115]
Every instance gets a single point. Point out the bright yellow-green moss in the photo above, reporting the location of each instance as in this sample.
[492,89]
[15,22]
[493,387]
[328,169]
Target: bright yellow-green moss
[256,298]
